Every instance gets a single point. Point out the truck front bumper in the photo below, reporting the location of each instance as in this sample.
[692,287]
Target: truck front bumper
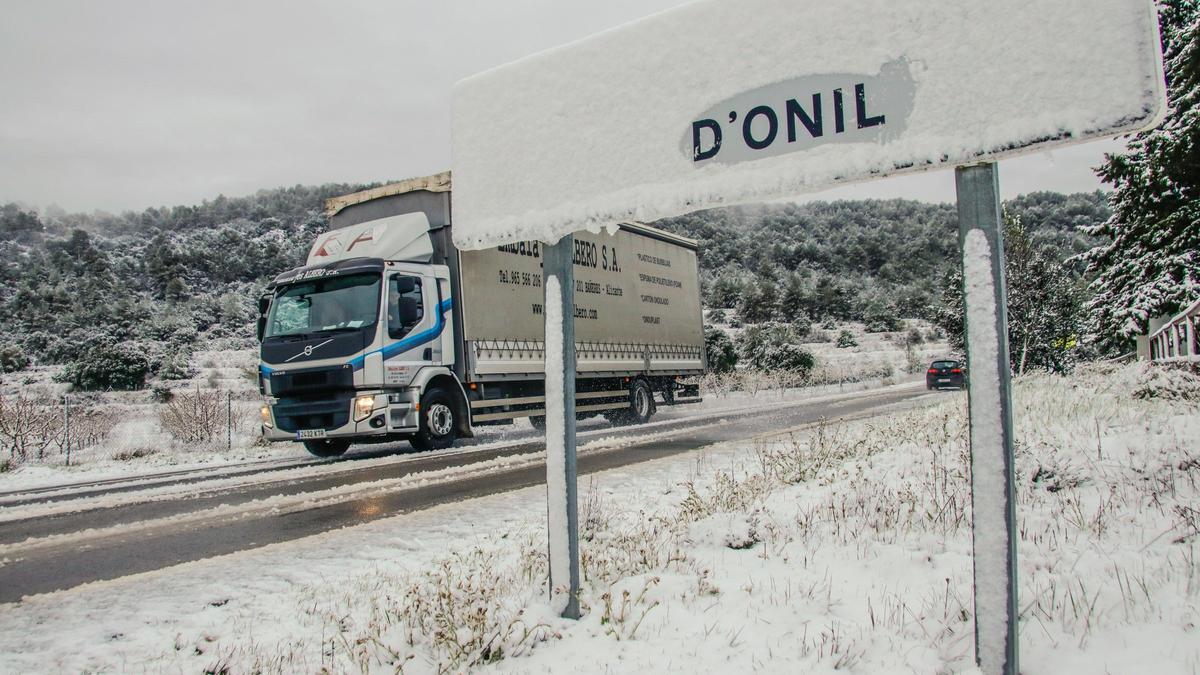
[364,415]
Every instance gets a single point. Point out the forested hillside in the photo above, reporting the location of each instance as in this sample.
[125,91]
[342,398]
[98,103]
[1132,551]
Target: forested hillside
[872,261]
[118,298]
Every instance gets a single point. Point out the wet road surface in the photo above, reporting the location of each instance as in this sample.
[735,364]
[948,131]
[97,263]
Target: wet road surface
[128,529]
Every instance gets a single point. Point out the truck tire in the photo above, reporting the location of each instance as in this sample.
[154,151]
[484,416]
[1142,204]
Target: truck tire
[439,421]
[641,402]
[538,422]
[641,406]
[332,447]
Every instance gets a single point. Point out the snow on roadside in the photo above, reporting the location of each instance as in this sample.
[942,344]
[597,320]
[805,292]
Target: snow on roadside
[169,455]
[846,547]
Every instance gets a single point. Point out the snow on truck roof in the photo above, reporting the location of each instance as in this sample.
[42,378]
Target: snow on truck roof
[440,182]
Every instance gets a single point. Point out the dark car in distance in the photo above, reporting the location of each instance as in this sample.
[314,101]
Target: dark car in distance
[946,374]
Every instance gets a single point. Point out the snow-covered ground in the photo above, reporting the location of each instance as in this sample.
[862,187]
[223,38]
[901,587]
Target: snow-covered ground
[837,547]
[871,353]
[138,445]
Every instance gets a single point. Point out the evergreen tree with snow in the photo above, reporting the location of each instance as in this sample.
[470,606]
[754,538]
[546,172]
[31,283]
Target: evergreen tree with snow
[1151,264]
[760,300]
[1045,305]
[719,350]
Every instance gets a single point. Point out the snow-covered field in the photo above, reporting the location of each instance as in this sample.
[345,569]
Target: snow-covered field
[840,547]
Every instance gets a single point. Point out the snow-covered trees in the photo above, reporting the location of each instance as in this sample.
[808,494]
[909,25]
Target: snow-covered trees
[719,350]
[1151,266]
[760,300]
[106,364]
[871,261]
[18,224]
[1045,305]
[774,346]
[170,279]
[117,298]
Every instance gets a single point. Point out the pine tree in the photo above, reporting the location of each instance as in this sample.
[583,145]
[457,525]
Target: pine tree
[760,300]
[795,299]
[719,350]
[1151,266]
[1045,305]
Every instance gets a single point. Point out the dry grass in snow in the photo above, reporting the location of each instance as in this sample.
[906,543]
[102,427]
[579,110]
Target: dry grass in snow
[845,547]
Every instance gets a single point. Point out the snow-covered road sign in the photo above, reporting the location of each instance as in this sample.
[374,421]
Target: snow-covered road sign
[722,102]
[802,94]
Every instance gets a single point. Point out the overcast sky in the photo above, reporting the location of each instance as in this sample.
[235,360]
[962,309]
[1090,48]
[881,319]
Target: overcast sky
[129,104]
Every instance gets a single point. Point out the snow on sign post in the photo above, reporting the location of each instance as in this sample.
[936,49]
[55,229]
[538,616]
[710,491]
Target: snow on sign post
[723,102]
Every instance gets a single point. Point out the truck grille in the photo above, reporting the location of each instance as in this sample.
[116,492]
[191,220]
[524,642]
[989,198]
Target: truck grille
[310,380]
[324,411]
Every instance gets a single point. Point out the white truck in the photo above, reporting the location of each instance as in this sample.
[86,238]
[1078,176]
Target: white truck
[389,332]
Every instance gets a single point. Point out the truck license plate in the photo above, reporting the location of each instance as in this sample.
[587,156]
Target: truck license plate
[310,433]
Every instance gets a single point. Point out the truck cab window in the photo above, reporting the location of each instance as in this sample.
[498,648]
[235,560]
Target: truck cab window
[335,303]
[406,306]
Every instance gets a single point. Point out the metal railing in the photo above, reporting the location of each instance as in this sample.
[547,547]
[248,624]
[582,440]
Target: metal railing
[1179,338]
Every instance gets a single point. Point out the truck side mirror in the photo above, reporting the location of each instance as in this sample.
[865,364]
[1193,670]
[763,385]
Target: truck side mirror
[409,311]
[264,306]
[405,284]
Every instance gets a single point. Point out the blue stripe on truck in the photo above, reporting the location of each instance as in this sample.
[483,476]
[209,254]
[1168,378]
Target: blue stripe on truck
[412,340]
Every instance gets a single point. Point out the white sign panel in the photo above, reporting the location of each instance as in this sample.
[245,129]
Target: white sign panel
[723,102]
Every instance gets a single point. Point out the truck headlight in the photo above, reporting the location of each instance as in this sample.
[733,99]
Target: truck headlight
[266,416]
[363,405]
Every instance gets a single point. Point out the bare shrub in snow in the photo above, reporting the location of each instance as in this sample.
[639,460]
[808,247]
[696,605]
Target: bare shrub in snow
[913,363]
[460,613]
[1168,382]
[727,493]
[858,370]
[454,606]
[799,459]
[755,382]
[195,416]
[136,453]
[28,427]
[89,426]
[621,618]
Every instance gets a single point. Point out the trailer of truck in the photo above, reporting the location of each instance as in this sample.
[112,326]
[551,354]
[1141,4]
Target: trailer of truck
[389,332]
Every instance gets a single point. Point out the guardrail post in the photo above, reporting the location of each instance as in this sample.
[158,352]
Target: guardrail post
[67,427]
[993,503]
[561,482]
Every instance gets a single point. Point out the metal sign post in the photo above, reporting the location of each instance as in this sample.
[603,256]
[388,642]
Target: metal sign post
[561,483]
[993,504]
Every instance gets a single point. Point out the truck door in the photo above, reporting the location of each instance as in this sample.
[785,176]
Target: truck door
[414,326]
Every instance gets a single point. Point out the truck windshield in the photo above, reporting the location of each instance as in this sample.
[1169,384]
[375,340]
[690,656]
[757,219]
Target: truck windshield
[331,304]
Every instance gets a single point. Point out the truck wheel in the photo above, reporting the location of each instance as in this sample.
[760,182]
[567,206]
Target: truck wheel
[538,422]
[333,447]
[439,423]
[641,402]
[641,406]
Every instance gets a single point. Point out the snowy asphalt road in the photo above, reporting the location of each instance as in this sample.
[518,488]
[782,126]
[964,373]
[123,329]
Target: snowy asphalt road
[105,532]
